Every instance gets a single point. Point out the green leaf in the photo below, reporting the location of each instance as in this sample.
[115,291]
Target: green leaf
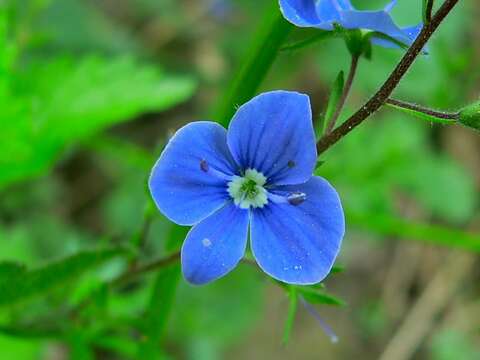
[427,6]
[292,310]
[316,296]
[55,103]
[321,35]
[407,230]
[23,284]
[335,95]
[355,42]
[10,269]
[420,115]
[319,164]
[337,269]
[161,303]
[260,57]
[470,116]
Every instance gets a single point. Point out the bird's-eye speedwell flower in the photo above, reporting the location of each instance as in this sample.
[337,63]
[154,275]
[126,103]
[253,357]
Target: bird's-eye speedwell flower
[324,14]
[256,176]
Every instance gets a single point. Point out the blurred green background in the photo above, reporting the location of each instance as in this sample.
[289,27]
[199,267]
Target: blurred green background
[90,91]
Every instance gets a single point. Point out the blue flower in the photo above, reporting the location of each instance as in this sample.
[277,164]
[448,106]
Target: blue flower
[324,14]
[256,176]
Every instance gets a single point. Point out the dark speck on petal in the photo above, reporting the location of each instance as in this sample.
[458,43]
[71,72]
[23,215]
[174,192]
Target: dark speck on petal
[204,165]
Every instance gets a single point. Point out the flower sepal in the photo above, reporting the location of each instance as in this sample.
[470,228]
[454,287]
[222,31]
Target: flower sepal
[470,116]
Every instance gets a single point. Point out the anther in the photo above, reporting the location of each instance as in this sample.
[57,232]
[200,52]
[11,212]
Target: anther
[204,165]
[296,198]
[291,164]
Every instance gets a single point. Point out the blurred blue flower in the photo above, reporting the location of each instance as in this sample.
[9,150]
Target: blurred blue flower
[221,10]
[256,176]
[324,14]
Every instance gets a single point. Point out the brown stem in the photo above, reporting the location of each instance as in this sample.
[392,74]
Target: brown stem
[346,91]
[438,114]
[377,100]
[141,269]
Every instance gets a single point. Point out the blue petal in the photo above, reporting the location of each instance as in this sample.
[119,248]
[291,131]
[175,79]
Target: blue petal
[300,12]
[371,20]
[189,180]
[324,13]
[410,34]
[310,13]
[298,244]
[273,133]
[330,10]
[389,7]
[215,246]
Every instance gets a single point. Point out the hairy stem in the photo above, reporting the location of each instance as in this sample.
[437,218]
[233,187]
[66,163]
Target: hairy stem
[346,91]
[377,100]
[445,116]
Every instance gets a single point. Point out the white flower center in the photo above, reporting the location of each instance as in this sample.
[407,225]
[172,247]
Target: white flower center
[248,191]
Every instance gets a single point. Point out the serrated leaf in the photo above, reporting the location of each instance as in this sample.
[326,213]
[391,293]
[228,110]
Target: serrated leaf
[24,284]
[56,103]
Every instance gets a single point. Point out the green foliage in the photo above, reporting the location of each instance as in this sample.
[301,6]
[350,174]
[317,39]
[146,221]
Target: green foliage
[158,312]
[334,98]
[470,116]
[319,36]
[72,69]
[421,115]
[395,160]
[62,101]
[211,318]
[317,296]
[404,229]
[427,6]
[263,51]
[292,310]
[18,284]
[452,344]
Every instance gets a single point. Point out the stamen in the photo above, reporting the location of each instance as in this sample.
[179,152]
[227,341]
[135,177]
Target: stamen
[296,198]
[247,190]
[325,327]
[206,168]
[204,165]
[291,164]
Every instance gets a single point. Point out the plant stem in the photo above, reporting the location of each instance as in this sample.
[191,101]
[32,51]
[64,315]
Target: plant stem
[346,91]
[377,100]
[445,116]
[428,4]
[145,268]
